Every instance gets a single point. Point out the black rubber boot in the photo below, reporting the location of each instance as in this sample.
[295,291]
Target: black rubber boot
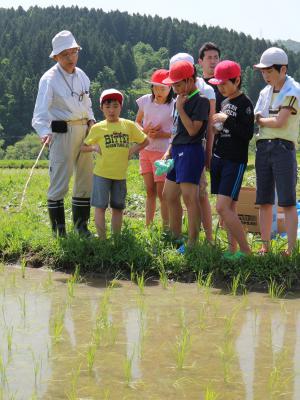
[57,217]
[81,214]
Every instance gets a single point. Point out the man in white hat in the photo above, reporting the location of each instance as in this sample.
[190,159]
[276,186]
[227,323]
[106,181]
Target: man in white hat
[62,117]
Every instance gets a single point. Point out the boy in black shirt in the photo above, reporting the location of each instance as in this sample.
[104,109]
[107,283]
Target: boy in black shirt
[230,153]
[186,149]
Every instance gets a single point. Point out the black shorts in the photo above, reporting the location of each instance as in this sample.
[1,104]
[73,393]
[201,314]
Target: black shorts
[276,165]
[226,177]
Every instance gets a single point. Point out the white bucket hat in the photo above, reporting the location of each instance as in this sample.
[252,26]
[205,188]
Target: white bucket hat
[62,41]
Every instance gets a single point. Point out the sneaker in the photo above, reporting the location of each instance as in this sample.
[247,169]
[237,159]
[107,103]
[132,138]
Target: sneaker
[181,250]
[239,255]
[227,255]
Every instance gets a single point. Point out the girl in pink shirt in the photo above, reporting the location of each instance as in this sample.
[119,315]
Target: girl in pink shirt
[155,118]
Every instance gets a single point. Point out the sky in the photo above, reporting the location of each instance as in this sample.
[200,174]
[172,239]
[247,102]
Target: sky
[269,19]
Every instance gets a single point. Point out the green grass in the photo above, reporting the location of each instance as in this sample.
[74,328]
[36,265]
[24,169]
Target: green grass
[138,252]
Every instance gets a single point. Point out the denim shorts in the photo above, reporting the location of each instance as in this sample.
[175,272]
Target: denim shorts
[108,191]
[276,166]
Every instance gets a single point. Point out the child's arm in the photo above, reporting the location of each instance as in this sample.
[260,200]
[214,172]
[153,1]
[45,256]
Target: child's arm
[85,148]
[210,133]
[193,127]
[137,147]
[275,122]
[167,154]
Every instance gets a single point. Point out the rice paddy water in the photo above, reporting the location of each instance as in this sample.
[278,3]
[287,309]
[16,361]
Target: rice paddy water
[144,339]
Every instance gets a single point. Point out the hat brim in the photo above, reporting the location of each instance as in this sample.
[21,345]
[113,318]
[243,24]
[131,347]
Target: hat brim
[214,81]
[157,84]
[112,96]
[261,66]
[169,81]
[59,50]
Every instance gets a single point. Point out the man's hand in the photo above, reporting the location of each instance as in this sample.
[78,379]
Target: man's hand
[47,138]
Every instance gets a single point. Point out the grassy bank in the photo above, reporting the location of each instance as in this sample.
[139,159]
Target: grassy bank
[25,234]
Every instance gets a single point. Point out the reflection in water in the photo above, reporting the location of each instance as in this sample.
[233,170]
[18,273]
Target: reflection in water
[134,334]
[27,319]
[69,325]
[297,361]
[278,324]
[246,344]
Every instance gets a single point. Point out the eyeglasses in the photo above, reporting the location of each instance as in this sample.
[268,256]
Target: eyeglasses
[73,53]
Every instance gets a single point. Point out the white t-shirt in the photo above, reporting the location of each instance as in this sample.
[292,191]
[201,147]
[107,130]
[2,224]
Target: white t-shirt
[205,89]
[156,114]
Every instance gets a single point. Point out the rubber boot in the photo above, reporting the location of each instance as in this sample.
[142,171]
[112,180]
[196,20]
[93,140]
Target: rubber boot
[57,217]
[81,214]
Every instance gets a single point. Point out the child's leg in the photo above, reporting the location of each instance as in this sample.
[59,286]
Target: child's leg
[205,209]
[116,220]
[265,222]
[100,222]
[232,243]
[150,197]
[171,194]
[232,222]
[163,204]
[190,197]
[291,224]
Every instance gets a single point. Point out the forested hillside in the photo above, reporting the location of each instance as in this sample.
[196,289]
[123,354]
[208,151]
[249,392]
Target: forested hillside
[118,50]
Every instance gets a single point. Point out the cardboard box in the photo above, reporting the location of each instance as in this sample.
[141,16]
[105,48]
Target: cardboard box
[248,212]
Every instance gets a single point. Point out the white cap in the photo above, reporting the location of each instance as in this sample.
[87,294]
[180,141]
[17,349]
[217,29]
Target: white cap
[182,57]
[62,41]
[112,94]
[272,56]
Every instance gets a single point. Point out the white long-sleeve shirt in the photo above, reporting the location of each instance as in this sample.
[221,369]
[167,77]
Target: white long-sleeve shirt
[55,101]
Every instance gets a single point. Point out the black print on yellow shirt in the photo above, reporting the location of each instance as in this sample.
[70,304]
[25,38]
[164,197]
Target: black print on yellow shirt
[116,140]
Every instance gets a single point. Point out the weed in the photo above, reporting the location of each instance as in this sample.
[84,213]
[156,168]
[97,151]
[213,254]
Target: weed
[163,277]
[210,394]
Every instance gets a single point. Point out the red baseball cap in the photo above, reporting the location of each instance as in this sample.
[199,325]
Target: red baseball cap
[179,71]
[225,70]
[111,94]
[158,76]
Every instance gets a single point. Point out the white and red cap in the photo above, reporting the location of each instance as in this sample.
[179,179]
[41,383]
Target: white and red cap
[182,57]
[224,71]
[62,41]
[111,94]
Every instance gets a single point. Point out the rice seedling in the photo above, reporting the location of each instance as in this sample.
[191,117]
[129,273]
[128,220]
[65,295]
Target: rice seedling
[235,284]
[127,367]
[210,394]
[13,280]
[72,394]
[202,317]
[90,357]
[182,347]
[140,279]
[3,376]
[22,303]
[106,394]
[163,277]
[48,283]
[37,367]
[204,282]
[275,290]
[227,355]
[58,325]
[9,335]
[23,267]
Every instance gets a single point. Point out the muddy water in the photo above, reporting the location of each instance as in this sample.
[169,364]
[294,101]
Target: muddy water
[174,343]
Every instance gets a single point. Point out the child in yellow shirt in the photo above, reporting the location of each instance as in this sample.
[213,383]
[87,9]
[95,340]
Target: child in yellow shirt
[111,139]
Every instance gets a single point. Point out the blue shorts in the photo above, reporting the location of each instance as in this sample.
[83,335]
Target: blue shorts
[226,177]
[188,163]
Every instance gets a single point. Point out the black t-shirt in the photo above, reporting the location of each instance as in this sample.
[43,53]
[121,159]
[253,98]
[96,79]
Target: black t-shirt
[197,109]
[233,141]
[219,96]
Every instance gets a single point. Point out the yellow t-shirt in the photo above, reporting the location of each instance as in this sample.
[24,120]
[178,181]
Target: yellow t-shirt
[114,139]
[290,131]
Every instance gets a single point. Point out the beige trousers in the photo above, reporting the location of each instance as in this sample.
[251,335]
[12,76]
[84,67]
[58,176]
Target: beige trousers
[65,159]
